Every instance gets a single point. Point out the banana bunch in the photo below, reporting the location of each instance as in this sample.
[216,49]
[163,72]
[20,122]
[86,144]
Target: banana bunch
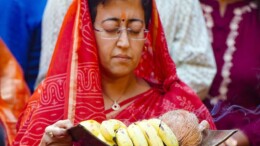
[94,127]
[152,132]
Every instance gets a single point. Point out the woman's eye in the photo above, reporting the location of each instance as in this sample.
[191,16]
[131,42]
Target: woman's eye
[134,31]
[112,30]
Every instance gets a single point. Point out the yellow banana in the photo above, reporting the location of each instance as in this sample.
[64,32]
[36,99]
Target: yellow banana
[150,133]
[108,128]
[164,132]
[92,126]
[122,137]
[136,135]
[155,123]
[110,143]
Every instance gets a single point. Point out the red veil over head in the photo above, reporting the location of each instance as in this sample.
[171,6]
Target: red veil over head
[72,88]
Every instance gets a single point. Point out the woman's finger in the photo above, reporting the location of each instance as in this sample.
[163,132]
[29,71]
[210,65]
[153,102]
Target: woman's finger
[59,128]
[54,131]
[66,124]
[57,132]
[231,142]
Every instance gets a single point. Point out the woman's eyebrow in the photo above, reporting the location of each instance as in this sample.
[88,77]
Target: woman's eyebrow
[111,19]
[118,20]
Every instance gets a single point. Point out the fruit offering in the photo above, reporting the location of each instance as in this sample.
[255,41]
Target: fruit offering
[174,128]
[152,132]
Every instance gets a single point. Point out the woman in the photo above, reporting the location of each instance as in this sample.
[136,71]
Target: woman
[115,66]
[185,32]
[235,94]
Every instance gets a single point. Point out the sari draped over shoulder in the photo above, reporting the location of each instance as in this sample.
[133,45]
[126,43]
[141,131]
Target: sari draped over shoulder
[72,89]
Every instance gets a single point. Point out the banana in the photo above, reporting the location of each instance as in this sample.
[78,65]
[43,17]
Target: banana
[92,126]
[108,128]
[110,143]
[122,137]
[165,132]
[155,123]
[136,135]
[150,133]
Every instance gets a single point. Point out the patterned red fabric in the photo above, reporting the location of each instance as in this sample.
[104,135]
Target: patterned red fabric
[72,88]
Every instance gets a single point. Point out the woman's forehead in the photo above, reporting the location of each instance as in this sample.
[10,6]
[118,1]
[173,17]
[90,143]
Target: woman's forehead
[115,2]
[122,9]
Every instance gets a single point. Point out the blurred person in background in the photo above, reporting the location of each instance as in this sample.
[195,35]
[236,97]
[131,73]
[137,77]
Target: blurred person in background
[188,43]
[234,97]
[2,135]
[20,28]
[14,93]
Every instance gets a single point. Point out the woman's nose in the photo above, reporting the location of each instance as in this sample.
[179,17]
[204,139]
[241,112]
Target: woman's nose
[123,40]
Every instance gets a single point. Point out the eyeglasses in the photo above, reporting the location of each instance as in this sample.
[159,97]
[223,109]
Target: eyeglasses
[116,32]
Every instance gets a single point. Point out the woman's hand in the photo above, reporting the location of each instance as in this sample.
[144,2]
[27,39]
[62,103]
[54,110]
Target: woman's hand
[56,134]
[238,139]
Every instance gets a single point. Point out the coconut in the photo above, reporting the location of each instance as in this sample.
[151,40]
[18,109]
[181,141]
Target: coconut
[186,127]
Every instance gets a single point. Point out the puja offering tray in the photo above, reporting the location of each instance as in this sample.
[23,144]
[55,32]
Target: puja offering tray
[86,138]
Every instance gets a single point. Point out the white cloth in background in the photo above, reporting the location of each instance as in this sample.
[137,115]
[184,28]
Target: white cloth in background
[188,42]
[53,16]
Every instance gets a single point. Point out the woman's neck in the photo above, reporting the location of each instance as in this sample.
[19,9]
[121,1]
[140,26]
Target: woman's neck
[117,88]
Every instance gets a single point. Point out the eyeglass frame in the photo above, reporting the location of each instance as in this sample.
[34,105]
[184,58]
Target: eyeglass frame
[120,33]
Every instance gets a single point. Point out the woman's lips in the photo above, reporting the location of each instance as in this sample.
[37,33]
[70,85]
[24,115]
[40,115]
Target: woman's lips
[124,57]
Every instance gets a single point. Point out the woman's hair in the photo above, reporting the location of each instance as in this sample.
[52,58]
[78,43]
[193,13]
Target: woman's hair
[147,6]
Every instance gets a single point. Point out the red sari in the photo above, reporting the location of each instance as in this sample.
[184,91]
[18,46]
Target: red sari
[72,88]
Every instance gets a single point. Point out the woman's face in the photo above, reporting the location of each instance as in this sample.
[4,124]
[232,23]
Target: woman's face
[119,56]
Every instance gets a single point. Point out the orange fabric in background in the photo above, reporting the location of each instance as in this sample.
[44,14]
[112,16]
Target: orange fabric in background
[13,91]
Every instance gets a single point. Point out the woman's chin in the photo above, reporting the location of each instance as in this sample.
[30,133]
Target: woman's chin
[119,72]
